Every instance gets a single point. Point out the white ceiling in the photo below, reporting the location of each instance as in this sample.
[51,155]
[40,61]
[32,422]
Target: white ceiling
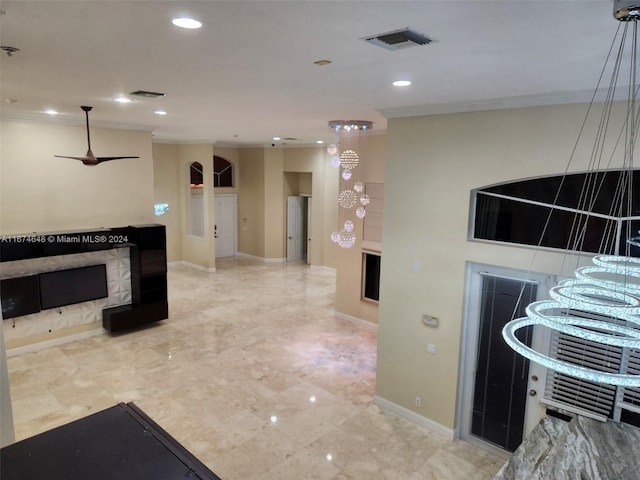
[248,74]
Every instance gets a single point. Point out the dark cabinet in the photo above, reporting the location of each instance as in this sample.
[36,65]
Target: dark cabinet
[148,256]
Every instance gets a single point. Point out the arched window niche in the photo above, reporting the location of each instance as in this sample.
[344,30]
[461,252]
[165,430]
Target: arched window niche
[222,172]
[196,200]
[517,212]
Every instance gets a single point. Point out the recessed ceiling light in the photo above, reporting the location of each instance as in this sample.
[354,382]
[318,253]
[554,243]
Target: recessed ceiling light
[160,112]
[122,99]
[319,141]
[276,138]
[186,22]
[51,111]
[401,83]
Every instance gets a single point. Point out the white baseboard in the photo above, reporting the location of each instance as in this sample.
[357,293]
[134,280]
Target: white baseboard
[55,342]
[274,260]
[323,267]
[191,265]
[261,259]
[358,321]
[413,417]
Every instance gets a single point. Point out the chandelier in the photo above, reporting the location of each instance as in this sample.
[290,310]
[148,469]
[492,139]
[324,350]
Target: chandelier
[352,197]
[601,303]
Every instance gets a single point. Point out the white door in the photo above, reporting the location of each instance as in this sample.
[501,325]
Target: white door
[295,228]
[225,224]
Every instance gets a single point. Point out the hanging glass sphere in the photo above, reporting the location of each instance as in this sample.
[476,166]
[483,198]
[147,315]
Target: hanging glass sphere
[361,212]
[335,236]
[347,199]
[335,162]
[346,174]
[332,149]
[347,239]
[358,187]
[349,159]
[348,226]
[364,199]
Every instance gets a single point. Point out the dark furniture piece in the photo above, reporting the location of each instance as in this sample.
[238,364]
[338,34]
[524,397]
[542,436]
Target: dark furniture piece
[148,280]
[121,442]
[147,250]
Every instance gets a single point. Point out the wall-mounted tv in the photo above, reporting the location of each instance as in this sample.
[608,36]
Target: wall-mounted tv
[75,285]
[19,296]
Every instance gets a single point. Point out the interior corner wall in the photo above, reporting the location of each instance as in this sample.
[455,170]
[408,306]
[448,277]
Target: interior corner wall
[41,193]
[349,271]
[197,250]
[433,163]
[274,211]
[251,208]
[324,192]
[166,176]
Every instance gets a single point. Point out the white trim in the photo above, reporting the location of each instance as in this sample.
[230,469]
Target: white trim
[55,342]
[413,417]
[184,263]
[522,101]
[323,267]
[356,320]
[262,259]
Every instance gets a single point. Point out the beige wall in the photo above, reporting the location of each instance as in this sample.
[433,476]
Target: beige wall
[251,202]
[274,212]
[40,193]
[197,250]
[432,165]
[166,171]
[349,271]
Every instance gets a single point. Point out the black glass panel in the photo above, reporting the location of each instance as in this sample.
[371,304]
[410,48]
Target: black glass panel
[516,222]
[500,391]
[372,276]
[602,190]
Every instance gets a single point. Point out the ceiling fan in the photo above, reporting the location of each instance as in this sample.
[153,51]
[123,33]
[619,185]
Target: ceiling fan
[90,159]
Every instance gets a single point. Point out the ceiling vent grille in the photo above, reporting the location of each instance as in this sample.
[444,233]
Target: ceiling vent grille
[397,39]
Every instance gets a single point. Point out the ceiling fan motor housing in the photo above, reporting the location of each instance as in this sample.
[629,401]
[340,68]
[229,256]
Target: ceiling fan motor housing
[626,10]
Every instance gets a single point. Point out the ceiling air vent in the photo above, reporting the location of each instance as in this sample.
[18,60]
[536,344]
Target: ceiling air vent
[397,39]
[145,93]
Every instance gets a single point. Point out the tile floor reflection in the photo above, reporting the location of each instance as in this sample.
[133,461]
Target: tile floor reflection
[254,375]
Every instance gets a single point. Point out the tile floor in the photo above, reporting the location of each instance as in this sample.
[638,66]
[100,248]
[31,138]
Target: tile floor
[254,375]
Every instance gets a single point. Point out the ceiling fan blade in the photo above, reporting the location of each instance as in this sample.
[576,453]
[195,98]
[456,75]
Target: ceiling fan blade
[82,159]
[106,159]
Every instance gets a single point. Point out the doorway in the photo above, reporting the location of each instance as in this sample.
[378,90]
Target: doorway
[225,225]
[500,389]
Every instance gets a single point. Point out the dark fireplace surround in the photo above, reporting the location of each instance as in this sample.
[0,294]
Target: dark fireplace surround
[147,252]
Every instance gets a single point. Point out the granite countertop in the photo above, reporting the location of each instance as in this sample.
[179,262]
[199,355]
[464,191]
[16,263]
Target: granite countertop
[579,450]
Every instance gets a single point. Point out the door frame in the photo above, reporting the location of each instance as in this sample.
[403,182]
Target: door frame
[235,218]
[469,350]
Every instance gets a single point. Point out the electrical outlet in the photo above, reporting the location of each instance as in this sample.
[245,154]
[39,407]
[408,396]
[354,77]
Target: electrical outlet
[431,348]
[418,402]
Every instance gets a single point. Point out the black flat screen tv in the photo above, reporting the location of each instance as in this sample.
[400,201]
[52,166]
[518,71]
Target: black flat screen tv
[19,296]
[75,285]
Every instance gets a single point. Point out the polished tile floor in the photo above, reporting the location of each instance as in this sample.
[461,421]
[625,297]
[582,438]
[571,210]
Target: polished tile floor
[254,375]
